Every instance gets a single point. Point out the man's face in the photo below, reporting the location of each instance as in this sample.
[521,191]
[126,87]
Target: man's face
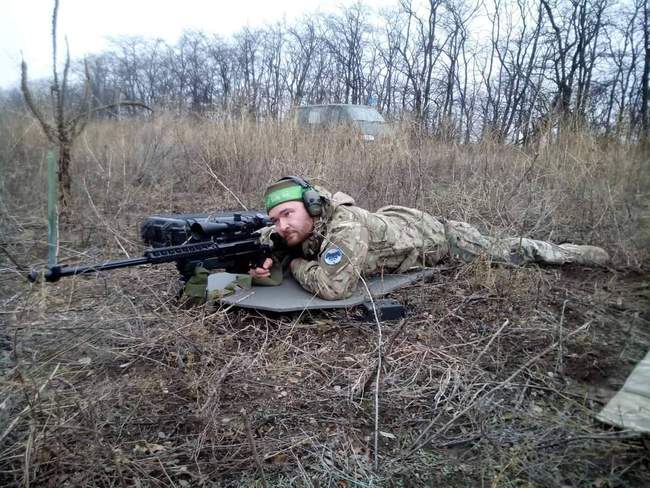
[292,222]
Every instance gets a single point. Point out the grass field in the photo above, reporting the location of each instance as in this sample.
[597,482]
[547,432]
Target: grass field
[493,379]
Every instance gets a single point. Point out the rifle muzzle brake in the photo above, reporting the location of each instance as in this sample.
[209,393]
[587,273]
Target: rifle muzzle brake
[50,275]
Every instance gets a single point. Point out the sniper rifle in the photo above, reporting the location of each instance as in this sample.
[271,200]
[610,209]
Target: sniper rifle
[226,241]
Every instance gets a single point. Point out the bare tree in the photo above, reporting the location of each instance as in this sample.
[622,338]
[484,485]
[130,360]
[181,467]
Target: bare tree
[458,15]
[420,53]
[64,127]
[347,41]
[514,53]
[192,68]
[248,65]
[645,78]
[575,49]
[272,52]
[303,42]
[222,60]
[624,56]
[389,51]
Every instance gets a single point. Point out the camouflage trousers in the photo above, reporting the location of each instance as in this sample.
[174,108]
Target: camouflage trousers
[466,242]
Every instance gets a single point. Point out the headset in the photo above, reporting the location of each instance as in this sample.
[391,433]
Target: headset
[310,197]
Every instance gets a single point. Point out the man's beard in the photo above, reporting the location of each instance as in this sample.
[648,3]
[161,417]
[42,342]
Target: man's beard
[293,238]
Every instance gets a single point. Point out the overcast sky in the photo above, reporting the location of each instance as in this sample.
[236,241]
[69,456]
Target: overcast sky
[25,25]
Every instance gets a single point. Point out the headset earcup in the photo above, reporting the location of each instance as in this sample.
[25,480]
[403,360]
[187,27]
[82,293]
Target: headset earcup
[312,200]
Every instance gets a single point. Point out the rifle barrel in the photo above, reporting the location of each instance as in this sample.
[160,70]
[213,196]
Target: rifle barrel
[229,252]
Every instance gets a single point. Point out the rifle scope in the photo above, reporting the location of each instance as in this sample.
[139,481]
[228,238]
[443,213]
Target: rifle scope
[202,231]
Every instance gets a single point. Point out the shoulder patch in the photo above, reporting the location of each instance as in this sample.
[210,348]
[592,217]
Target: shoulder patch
[332,256]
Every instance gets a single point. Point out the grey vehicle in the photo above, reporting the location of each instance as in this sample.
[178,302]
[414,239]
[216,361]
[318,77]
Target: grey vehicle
[365,118]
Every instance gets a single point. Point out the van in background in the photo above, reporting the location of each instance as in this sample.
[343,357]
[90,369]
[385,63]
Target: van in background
[365,118]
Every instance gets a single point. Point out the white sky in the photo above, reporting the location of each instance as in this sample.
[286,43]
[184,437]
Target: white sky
[25,25]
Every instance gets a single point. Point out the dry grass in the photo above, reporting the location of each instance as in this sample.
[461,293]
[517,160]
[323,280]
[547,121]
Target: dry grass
[492,379]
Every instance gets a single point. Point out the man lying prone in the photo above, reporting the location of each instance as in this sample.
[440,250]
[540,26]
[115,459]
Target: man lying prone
[329,242]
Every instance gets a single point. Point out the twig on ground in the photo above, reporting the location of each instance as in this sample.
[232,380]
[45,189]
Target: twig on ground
[559,363]
[28,408]
[613,436]
[251,441]
[12,259]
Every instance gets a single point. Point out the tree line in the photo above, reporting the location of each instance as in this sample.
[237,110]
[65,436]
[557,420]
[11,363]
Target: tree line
[510,70]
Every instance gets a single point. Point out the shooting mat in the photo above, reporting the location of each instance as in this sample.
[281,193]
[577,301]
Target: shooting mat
[291,297]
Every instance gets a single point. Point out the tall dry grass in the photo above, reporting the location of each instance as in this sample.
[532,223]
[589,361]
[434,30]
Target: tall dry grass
[106,381]
[581,188]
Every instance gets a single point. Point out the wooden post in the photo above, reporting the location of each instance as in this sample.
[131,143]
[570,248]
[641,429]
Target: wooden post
[52,210]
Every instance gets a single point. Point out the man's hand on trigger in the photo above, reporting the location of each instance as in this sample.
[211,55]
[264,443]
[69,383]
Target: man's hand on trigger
[262,271]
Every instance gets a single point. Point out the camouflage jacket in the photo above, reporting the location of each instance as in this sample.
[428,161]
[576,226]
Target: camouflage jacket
[349,242]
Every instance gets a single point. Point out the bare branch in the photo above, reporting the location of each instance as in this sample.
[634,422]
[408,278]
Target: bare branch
[76,129]
[29,101]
